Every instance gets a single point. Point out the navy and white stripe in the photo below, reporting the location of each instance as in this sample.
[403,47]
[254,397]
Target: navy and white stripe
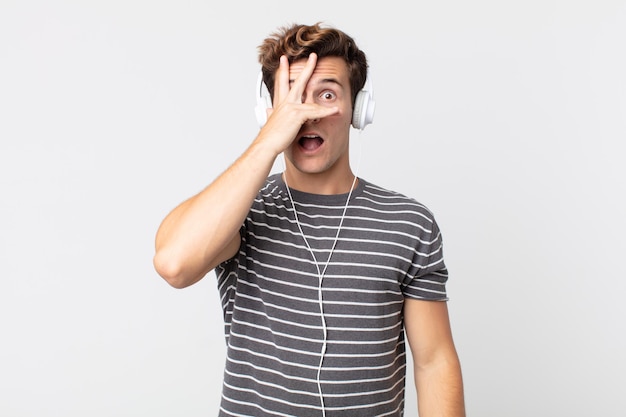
[389,248]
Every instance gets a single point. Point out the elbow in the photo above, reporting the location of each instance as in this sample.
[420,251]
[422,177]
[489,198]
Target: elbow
[171,271]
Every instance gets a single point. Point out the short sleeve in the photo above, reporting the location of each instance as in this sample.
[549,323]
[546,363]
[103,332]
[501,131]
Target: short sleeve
[428,275]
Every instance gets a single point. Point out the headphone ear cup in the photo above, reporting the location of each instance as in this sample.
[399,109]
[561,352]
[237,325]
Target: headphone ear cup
[364,106]
[263,101]
[357,113]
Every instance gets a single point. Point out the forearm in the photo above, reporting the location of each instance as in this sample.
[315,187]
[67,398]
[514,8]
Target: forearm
[203,231]
[440,388]
[200,232]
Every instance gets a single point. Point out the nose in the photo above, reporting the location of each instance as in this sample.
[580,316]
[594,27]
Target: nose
[304,100]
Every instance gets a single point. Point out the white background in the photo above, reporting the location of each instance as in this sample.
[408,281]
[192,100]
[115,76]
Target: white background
[506,118]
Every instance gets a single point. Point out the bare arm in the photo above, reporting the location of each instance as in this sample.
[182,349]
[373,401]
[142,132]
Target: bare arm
[436,364]
[203,231]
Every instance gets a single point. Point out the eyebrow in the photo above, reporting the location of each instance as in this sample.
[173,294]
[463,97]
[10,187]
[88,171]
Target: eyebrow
[323,81]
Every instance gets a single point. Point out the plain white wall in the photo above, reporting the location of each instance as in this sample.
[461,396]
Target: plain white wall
[507,119]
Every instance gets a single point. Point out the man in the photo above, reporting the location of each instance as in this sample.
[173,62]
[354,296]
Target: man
[320,273]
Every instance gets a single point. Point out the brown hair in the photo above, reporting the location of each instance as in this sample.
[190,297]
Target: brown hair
[299,41]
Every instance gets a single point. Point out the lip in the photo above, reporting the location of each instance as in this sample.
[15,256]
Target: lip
[309,133]
[310,142]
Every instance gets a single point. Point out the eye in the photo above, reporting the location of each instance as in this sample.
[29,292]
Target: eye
[328,96]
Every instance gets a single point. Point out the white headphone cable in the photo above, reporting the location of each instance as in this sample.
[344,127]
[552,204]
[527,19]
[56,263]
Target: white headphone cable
[320,273]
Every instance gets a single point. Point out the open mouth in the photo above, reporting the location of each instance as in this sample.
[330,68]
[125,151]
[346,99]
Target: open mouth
[310,142]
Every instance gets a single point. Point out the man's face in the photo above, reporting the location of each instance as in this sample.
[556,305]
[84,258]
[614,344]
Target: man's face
[321,146]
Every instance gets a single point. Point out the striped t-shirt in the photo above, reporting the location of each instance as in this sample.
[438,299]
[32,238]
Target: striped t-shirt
[389,248]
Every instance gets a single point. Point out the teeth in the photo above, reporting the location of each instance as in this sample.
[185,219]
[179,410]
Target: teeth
[309,136]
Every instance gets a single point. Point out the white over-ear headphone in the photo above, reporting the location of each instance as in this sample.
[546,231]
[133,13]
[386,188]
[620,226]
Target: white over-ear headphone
[362,115]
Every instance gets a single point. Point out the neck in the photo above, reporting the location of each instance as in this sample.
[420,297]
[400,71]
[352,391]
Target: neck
[324,183]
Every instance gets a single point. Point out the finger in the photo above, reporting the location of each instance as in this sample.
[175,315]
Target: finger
[299,84]
[281,81]
[316,112]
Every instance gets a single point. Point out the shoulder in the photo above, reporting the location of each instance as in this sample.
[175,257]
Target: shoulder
[273,189]
[388,202]
[272,197]
[273,185]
